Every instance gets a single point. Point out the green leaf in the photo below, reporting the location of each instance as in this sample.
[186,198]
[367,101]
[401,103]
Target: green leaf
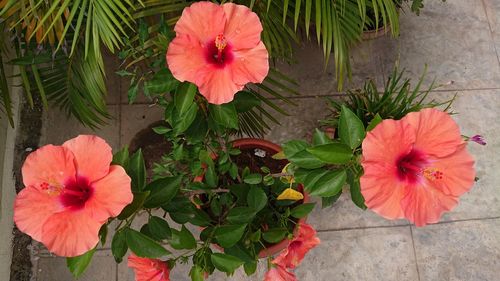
[137,202]
[239,215]
[137,171]
[296,152]
[374,122]
[332,153]
[320,137]
[144,246]
[77,265]
[184,97]
[302,210]
[121,157]
[196,273]
[103,234]
[182,239]
[162,82]
[351,129]
[132,92]
[256,198]
[198,129]
[210,176]
[275,235]
[250,267]
[225,263]
[159,228]
[119,245]
[224,115]
[328,201]
[182,122]
[329,184]
[245,101]
[162,191]
[355,189]
[161,130]
[253,179]
[228,235]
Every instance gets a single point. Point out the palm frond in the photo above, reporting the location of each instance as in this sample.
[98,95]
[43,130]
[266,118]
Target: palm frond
[74,83]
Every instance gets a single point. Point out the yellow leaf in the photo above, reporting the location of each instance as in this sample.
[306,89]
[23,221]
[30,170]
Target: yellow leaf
[289,178]
[279,156]
[290,194]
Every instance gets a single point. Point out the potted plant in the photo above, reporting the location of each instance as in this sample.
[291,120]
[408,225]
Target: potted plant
[236,191]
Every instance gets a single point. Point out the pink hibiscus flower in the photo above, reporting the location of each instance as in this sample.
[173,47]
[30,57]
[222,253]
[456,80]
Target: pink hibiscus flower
[149,269]
[298,247]
[218,48]
[71,191]
[415,168]
[278,272]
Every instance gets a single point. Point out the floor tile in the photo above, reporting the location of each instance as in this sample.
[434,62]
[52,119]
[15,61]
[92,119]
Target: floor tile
[113,80]
[102,268]
[492,8]
[459,251]
[344,214]
[303,119]
[478,114]
[136,117]
[347,255]
[58,127]
[453,39]
[314,79]
[367,254]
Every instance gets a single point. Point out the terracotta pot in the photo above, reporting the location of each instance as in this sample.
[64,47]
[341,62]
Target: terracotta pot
[377,33]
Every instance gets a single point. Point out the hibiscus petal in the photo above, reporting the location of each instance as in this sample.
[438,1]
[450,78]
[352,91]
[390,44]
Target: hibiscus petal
[380,185]
[243,26]
[387,142]
[148,269]
[110,195]
[70,234]
[49,164]
[436,132]
[424,204]
[382,194]
[32,208]
[92,156]
[458,173]
[203,20]
[185,57]
[250,65]
[217,86]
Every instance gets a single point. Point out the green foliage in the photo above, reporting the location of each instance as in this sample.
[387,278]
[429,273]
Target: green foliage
[77,265]
[143,246]
[396,100]
[226,263]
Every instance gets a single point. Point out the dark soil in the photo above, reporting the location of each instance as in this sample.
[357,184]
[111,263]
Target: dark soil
[29,132]
[153,146]
[254,159]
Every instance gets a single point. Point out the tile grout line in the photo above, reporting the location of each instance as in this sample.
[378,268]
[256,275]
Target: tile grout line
[343,94]
[492,37]
[119,133]
[46,255]
[414,251]
[403,225]
[119,110]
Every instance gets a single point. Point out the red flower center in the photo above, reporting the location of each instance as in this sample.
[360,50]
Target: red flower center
[76,193]
[219,52]
[411,166]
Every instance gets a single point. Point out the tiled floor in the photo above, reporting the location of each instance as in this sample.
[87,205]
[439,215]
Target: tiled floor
[459,40]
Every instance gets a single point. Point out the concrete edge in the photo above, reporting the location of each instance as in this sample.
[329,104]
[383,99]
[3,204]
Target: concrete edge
[7,180]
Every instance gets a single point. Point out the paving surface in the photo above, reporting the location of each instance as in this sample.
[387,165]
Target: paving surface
[459,40]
